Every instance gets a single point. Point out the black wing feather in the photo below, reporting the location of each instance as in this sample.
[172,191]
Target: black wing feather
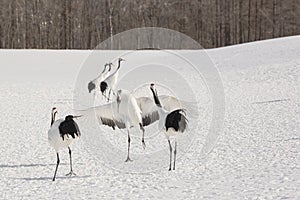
[103,86]
[150,118]
[112,123]
[91,86]
[176,120]
[69,127]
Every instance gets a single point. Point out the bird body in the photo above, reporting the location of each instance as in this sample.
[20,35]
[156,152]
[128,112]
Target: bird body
[55,138]
[129,110]
[170,123]
[60,137]
[61,134]
[176,121]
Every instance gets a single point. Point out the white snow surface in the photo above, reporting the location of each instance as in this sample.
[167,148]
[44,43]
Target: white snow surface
[257,155]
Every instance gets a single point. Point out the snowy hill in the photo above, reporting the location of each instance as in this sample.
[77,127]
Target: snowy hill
[257,155]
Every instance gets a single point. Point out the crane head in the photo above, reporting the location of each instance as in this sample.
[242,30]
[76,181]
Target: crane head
[121,59]
[152,87]
[54,110]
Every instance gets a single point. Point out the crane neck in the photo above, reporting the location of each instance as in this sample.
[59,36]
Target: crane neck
[155,97]
[117,70]
[53,117]
[119,64]
[103,69]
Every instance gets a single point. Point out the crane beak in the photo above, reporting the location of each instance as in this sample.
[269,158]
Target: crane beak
[77,116]
[152,86]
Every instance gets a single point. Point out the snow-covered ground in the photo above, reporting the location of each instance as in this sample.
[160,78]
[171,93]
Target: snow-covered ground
[257,156]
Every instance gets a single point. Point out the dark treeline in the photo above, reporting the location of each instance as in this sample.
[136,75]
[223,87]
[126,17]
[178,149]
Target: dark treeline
[83,24]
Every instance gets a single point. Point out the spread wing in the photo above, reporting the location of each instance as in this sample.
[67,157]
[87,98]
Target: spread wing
[149,110]
[104,115]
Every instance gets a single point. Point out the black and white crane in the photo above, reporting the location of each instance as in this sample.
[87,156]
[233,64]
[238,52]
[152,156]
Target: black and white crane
[110,82]
[95,84]
[170,122]
[124,113]
[128,111]
[61,134]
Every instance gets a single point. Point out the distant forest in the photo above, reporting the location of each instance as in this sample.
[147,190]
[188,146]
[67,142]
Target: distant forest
[83,24]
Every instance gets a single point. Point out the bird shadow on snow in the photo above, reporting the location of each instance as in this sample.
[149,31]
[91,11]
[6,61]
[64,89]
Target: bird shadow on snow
[41,178]
[50,178]
[28,165]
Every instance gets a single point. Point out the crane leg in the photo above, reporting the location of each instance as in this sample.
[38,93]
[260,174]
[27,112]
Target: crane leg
[57,163]
[143,141]
[175,152]
[128,159]
[170,166]
[71,169]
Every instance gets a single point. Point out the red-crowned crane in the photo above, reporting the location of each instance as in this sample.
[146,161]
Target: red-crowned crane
[110,82]
[171,123]
[61,134]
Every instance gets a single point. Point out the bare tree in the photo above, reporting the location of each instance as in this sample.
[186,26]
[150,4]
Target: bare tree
[67,24]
